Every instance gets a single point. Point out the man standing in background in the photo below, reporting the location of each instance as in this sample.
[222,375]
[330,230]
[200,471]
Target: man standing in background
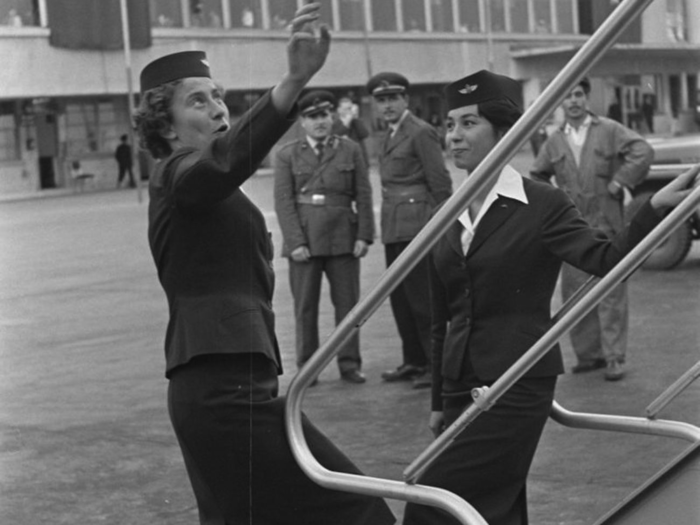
[595,160]
[348,124]
[414,180]
[125,161]
[323,201]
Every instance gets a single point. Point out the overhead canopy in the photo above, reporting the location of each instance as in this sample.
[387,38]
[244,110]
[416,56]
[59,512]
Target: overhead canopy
[622,59]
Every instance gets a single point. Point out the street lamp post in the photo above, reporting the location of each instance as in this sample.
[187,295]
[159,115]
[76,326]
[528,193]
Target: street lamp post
[127,64]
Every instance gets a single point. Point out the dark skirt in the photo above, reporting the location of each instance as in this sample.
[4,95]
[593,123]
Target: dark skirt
[487,464]
[230,427]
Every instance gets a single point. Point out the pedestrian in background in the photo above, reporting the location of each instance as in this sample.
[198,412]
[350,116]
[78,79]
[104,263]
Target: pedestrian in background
[492,277]
[323,201]
[348,124]
[213,253]
[595,160]
[125,161]
[414,180]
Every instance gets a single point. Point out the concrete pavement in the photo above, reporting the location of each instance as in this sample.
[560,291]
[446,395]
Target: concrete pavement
[84,434]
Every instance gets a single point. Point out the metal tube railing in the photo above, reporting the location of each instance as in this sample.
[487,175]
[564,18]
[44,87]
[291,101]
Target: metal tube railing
[666,170]
[488,169]
[632,425]
[485,397]
[672,391]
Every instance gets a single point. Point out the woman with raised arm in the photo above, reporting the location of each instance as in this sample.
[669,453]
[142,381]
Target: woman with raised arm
[213,253]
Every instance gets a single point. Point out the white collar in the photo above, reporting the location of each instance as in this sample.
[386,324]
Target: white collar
[568,128]
[313,142]
[509,184]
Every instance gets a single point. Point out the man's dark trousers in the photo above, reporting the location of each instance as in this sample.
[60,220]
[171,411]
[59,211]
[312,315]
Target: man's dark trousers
[410,303]
[343,274]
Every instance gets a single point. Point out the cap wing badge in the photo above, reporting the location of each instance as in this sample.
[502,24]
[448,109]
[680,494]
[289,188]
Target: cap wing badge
[468,89]
[205,62]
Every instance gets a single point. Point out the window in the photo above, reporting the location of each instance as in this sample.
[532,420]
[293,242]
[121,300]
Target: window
[166,13]
[93,126]
[281,13]
[675,21]
[498,16]
[206,13]
[8,132]
[543,16]
[441,11]
[326,12]
[469,16]
[413,15]
[565,17]
[351,15]
[18,13]
[245,14]
[383,15]
[519,17]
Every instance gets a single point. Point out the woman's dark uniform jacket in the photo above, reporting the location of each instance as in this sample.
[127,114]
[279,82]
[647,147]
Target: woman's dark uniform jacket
[491,306]
[211,245]
[213,253]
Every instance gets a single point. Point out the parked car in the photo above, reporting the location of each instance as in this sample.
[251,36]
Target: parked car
[672,156]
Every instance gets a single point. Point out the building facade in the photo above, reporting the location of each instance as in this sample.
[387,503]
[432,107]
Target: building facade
[60,105]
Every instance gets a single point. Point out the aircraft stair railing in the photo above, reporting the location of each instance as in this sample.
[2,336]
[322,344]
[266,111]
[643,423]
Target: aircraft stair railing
[494,162]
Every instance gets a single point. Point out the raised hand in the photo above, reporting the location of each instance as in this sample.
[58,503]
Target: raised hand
[309,45]
[306,53]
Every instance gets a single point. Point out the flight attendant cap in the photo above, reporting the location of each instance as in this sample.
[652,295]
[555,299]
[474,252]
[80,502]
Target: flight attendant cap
[174,67]
[481,87]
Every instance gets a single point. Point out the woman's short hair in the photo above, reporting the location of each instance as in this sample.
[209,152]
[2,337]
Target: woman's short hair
[502,113]
[153,118]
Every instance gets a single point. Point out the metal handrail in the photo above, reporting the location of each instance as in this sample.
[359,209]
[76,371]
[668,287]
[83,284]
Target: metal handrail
[666,170]
[672,391]
[631,425]
[488,169]
[485,397]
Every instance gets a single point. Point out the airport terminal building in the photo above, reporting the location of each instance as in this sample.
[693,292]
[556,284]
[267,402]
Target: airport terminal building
[64,85]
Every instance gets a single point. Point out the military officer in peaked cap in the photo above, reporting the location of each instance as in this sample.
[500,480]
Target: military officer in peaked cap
[414,180]
[323,201]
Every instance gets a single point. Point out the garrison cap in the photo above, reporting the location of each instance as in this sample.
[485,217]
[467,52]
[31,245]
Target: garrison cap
[386,83]
[316,101]
[481,87]
[174,67]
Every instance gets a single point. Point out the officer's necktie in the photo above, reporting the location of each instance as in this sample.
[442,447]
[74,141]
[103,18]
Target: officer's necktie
[319,150]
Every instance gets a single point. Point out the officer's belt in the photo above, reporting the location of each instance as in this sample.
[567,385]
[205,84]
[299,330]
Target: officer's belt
[319,199]
[404,192]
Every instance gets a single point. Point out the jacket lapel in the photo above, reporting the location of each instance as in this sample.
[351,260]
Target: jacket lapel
[307,153]
[400,135]
[499,212]
[454,238]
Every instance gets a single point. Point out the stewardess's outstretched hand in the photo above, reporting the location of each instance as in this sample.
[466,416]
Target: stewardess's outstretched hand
[309,45]
[678,189]
[307,51]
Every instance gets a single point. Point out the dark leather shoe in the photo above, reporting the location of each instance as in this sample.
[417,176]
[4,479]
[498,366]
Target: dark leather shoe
[425,380]
[614,371]
[588,366]
[403,373]
[353,376]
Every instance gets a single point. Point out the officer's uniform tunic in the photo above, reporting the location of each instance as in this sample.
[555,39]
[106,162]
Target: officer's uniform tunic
[414,180]
[326,205]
